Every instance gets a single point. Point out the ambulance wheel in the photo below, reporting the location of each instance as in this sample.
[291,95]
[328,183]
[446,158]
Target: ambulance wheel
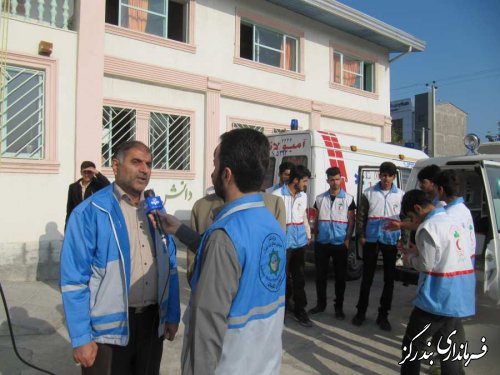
[354,265]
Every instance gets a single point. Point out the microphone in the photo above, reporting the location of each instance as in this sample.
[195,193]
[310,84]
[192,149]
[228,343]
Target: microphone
[153,204]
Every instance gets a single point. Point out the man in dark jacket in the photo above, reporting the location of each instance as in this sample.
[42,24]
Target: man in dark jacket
[91,182]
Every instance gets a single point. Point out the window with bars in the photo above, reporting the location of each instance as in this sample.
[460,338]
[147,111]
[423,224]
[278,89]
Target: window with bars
[169,141]
[267,129]
[353,72]
[118,126]
[22,112]
[165,18]
[268,46]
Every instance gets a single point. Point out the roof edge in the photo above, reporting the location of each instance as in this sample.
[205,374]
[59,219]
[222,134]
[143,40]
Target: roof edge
[360,18]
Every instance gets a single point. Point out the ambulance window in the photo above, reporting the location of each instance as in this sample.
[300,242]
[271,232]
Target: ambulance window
[494,181]
[296,160]
[268,178]
[405,175]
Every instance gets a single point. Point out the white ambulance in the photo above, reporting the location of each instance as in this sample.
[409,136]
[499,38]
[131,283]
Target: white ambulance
[357,158]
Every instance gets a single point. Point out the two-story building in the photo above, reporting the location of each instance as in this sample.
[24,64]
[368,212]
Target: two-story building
[79,77]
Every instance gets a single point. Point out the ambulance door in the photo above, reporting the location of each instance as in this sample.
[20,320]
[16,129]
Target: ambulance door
[367,177]
[491,175]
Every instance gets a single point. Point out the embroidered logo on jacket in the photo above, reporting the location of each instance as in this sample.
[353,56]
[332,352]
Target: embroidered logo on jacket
[272,262]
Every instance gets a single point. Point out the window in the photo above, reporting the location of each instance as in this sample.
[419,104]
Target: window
[168,135]
[22,113]
[352,72]
[169,140]
[263,127]
[237,125]
[268,46]
[118,126]
[164,18]
[397,132]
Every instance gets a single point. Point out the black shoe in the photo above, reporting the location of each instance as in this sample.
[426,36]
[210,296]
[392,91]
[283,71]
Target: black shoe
[303,319]
[383,323]
[317,309]
[358,319]
[339,314]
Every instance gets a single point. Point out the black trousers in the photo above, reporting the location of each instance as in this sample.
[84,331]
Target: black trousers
[295,279]
[142,355]
[370,255]
[440,327]
[322,255]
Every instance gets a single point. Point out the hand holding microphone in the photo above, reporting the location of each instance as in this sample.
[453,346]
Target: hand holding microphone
[165,223]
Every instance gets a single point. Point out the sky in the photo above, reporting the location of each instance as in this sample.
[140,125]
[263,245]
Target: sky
[462,54]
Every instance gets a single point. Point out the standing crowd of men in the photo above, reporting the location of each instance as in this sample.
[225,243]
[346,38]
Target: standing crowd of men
[246,262]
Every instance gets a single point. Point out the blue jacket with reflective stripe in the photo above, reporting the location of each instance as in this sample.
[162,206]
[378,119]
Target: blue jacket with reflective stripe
[95,273]
[448,286]
[296,234]
[255,319]
[382,207]
[333,217]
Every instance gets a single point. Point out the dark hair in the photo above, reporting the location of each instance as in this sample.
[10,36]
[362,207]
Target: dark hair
[428,172]
[333,171]
[388,167]
[450,181]
[299,172]
[124,147]
[86,164]
[284,166]
[246,153]
[411,198]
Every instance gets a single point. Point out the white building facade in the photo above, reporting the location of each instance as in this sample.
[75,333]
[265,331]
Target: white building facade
[174,74]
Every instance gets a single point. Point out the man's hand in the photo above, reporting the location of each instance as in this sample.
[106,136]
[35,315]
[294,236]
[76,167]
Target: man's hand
[347,242]
[85,354]
[169,223]
[409,252]
[362,241]
[170,331]
[392,225]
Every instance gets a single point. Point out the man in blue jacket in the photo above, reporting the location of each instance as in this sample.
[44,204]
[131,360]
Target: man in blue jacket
[379,204]
[119,282]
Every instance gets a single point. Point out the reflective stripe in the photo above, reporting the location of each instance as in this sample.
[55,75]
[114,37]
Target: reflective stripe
[243,206]
[381,218]
[450,274]
[334,221]
[256,311]
[106,326]
[71,288]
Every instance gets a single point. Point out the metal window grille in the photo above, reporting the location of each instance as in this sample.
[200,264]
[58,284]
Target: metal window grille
[239,125]
[169,141]
[22,113]
[118,126]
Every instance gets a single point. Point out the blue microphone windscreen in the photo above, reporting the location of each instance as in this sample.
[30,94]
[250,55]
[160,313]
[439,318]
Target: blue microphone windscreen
[153,203]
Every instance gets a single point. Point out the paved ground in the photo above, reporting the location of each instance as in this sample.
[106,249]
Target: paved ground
[330,347]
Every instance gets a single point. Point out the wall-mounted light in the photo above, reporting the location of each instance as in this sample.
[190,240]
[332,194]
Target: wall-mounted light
[45,48]
[354,148]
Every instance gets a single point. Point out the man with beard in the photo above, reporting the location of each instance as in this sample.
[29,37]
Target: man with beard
[235,316]
[298,236]
[119,282]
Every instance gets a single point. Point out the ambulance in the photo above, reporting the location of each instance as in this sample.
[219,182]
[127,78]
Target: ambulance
[357,158]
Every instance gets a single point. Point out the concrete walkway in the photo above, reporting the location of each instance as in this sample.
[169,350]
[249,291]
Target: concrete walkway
[330,347]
